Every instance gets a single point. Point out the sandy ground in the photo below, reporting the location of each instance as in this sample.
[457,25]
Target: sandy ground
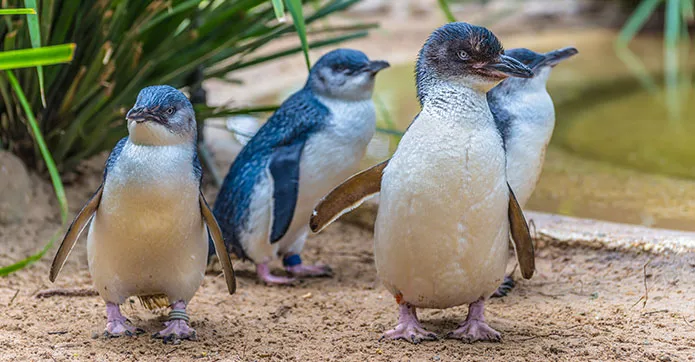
[582,304]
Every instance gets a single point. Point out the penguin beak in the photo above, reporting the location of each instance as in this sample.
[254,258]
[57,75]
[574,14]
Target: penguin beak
[141,115]
[376,66]
[510,67]
[556,56]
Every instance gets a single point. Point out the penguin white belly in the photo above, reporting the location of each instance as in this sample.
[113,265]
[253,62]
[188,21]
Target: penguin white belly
[330,156]
[442,227]
[148,237]
[526,153]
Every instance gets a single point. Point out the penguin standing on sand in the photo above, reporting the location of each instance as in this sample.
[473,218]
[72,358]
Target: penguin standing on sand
[525,115]
[150,222]
[314,141]
[446,209]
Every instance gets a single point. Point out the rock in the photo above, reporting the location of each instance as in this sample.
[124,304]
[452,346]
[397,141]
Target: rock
[15,188]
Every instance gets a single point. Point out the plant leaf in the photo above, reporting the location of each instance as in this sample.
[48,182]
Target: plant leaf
[295,8]
[444,5]
[25,58]
[279,7]
[52,170]
[636,21]
[35,35]
[164,16]
[22,11]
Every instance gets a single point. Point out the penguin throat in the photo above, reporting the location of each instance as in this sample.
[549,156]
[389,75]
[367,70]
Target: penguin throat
[453,97]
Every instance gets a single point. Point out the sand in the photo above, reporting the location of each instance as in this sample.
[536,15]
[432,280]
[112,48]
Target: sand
[582,304]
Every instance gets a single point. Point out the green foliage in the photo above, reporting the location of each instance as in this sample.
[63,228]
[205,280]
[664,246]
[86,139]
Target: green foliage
[26,58]
[123,46]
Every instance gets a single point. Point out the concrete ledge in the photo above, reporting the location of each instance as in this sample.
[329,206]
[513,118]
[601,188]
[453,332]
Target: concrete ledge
[576,232]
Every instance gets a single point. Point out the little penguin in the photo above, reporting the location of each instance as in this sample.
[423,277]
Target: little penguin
[150,223]
[525,115]
[314,141]
[446,209]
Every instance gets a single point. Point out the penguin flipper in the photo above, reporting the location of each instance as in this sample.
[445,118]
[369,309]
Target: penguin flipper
[523,243]
[347,196]
[284,170]
[78,224]
[218,240]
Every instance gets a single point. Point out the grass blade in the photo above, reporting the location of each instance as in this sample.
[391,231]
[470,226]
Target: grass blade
[24,11]
[672,32]
[295,8]
[35,35]
[444,5]
[279,7]
[164,16]
[636,21]
[25,58]
[52,170]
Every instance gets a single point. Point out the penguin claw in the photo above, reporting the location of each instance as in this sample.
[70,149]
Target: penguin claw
[413,333]
[175,332]
[120,328]
[504,288]
[474,330]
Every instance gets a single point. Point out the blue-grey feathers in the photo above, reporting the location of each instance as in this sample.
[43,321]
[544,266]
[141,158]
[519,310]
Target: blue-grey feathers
[162,96]
[284,169]
[114,155]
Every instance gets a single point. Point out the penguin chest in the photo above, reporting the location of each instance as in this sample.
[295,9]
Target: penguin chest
[148,236]
[526,144]
[329,157]
[442,229]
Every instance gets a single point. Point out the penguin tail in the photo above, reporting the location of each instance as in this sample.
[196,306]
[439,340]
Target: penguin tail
[153,302]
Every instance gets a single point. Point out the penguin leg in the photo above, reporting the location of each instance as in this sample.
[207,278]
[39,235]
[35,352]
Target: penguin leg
[293,265]
[504,288]
[293,262]
[409,327]
[474,327]
[263,272]
[116,324]
[177,327]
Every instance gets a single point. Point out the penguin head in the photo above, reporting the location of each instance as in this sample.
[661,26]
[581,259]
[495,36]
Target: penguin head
[344,74]
[540,63]
[162,115]
[465,54]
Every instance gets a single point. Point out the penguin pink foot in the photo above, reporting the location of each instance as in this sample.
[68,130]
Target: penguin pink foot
[293,265]
[177,327]
[409,327]
[474,328]
[117,325]
[264,274]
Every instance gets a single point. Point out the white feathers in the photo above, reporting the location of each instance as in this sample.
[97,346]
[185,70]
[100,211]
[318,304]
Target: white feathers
[442,228]
[148,236]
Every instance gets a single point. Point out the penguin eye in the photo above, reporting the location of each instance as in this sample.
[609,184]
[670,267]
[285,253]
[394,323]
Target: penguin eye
[170,110]
[463,55]
[339,69]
